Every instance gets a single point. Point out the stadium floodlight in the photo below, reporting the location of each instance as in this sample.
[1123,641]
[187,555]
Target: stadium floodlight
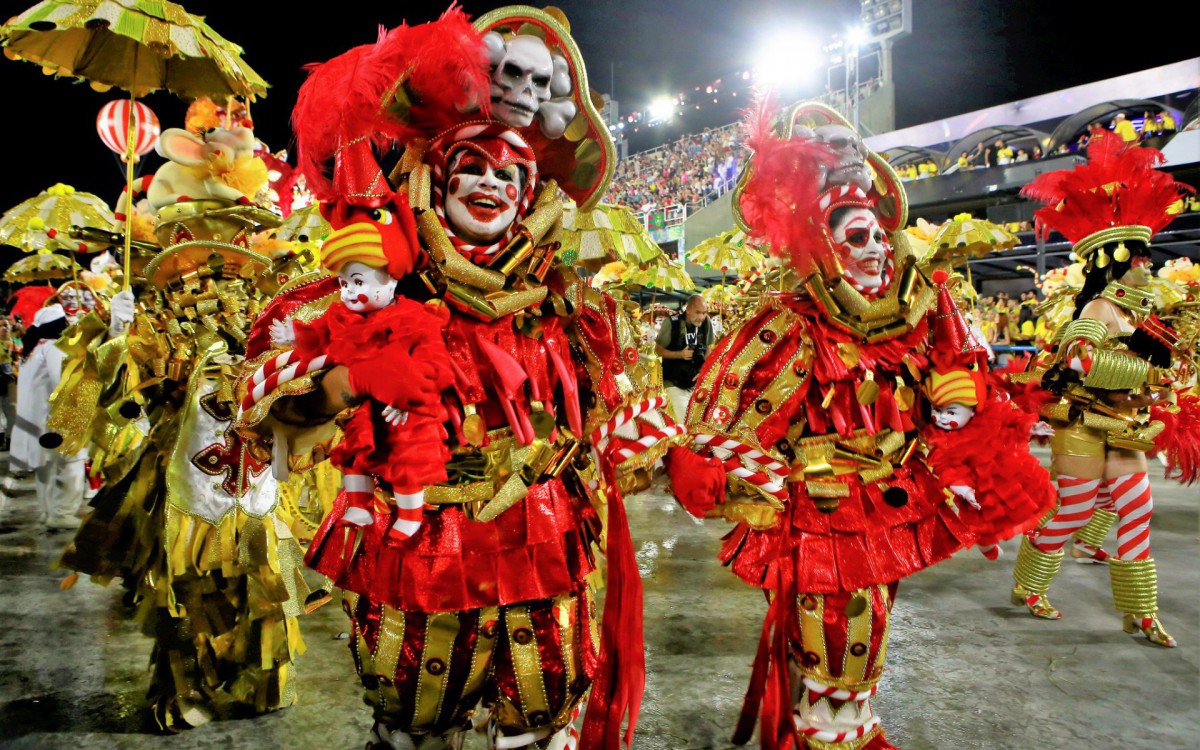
[788,60]
[857,37]
[662,109]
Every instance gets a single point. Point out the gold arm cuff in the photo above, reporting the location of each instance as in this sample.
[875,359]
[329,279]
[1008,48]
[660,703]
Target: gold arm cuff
[1083,328]
[1116,371]
[1035,570]
[1135,585]
[1097,528]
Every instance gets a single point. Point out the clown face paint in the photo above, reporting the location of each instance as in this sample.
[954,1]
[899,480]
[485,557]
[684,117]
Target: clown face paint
[87,300]
[865,248]
[69,298]
[482,199]
[365,289]
[952,416]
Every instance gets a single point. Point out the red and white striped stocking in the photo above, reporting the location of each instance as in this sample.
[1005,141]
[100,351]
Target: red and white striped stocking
[1134,506]
[360,498]
[410,511]
[1077,500]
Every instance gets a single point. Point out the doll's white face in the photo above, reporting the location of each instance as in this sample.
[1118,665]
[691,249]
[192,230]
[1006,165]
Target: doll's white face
[864,247]
[87,300]
[364,288]
[481,199]
[952,416]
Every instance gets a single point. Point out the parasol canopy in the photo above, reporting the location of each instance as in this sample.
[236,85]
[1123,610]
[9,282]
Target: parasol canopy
[729,253]
[663,274]
[136,45]
[605,234]
[304,226]
[42,266]
[44,221]
[965,237]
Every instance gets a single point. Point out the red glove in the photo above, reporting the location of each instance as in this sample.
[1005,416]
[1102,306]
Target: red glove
[698,482]
[397,379]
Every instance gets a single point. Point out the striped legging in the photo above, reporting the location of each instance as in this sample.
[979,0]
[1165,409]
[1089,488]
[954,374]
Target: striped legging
[1078,498]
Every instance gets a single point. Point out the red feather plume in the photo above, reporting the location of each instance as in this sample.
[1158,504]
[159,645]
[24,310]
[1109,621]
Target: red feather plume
[1118,186]
[437,70]
[779,199]
[1180,441]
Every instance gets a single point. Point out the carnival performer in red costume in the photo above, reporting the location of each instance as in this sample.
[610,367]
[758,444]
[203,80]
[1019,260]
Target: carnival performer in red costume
[488,604]
[810,411]
[967,411]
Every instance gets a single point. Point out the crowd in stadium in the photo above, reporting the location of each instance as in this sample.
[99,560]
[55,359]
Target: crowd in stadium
[690,172]
[697,168]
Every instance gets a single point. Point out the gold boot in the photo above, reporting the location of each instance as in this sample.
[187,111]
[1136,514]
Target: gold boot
[1032,576]
[1088,546]
[1135,592]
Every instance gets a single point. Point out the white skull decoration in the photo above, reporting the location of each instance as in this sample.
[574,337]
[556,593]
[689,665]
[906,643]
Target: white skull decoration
[851,168]
[528,81]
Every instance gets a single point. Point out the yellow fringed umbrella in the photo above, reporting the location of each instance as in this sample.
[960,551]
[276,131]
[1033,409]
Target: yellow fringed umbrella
[666,275]
[605,234]
[663,275]
[965,237]
[303,226]
[45,221]
[136,45]
[41,266]
[728,252]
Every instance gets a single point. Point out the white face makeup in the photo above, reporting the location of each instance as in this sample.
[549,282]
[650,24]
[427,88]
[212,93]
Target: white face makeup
[864,247]
[952,416]
[481,199]
[364,288]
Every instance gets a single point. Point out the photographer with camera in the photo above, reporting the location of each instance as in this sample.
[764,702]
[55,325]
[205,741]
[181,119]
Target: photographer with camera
[683,343]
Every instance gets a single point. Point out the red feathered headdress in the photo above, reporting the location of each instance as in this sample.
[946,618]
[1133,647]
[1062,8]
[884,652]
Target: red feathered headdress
[413,82]
[1117,195]
[779,196]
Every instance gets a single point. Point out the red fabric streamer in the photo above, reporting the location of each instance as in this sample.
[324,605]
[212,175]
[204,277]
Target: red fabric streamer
[621,679]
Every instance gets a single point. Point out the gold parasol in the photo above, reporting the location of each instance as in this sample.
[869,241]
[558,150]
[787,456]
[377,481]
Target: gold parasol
[105,42]
[43,265]
[304,225]
[136,45]
[605,234]
[44,222]
[728,252]
[965,237]
[664,274]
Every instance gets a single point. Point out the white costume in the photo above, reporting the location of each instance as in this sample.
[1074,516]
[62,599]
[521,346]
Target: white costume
[59,479]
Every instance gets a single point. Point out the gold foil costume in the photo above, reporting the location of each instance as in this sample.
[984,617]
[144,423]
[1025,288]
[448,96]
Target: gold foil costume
[186,517]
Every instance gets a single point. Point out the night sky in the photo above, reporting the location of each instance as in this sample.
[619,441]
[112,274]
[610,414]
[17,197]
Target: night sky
[961,56]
